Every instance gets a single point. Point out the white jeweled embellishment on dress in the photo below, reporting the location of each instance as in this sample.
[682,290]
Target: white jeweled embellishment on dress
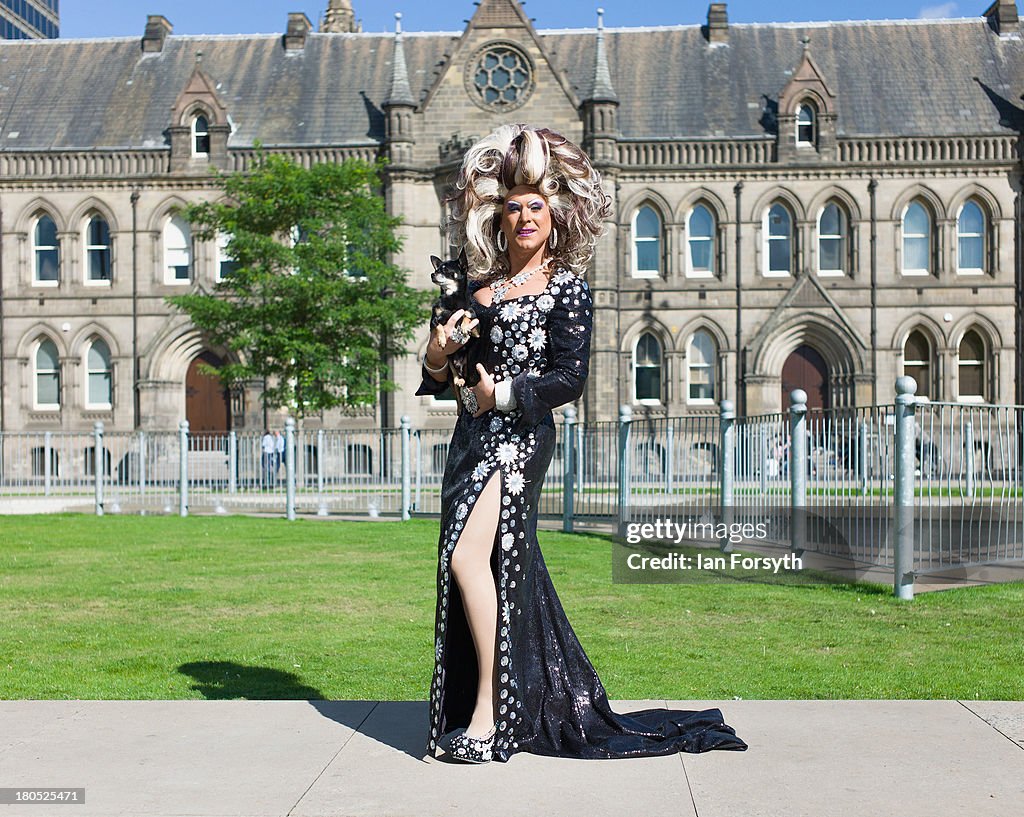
[537,339]
[509,312]
[496,334]
[507,540]
[519,352]
[515,483]
[545,302]
[507,453]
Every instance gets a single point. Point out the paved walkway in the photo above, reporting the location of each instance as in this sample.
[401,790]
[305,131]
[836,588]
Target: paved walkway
[335,758]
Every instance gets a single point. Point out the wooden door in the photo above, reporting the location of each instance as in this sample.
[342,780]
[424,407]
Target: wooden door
[806,369]
[207,406]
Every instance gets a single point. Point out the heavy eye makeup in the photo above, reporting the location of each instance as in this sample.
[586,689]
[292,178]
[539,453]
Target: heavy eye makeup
[536,205]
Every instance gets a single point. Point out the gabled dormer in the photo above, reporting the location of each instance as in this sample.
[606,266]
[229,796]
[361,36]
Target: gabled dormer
[807,115]
[199,125]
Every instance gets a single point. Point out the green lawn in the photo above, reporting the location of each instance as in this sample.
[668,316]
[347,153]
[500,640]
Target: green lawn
[127,607]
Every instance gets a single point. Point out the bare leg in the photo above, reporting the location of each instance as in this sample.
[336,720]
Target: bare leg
[471,566]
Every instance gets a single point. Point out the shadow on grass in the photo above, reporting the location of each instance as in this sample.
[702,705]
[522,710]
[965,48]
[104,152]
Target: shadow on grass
[218,680]
[402,725]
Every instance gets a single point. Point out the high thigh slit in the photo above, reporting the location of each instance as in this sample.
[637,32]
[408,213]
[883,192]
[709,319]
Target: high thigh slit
[473,532]
[550,699]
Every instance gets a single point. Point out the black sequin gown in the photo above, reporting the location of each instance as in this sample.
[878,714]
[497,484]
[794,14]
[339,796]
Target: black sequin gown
[551,701]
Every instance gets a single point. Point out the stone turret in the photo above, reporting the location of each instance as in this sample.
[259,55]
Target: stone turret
[340,18]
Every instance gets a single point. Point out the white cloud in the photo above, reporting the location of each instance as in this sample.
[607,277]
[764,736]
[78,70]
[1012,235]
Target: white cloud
[937,12]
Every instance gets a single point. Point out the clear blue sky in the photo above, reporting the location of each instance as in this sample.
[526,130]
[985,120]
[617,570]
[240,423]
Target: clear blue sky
[114,18]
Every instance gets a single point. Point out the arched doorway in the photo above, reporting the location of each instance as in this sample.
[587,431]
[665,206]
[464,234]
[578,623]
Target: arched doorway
[207,403]
[806,369]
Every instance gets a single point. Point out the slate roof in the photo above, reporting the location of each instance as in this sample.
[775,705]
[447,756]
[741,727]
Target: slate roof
[891,79]
[906,78]
[106,93]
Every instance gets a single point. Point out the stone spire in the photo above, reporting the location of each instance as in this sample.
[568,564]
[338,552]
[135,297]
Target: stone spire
[600,107]
[399,107]
[340,18]
[603,90]
[400,93]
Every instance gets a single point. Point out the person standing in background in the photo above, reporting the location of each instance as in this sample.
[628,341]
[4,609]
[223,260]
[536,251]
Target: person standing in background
[267,460]
[278,453]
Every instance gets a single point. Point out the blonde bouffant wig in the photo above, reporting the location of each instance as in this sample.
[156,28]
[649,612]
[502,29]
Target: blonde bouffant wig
[519,154]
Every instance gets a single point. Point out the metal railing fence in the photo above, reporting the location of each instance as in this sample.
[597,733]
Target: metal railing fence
[914,485]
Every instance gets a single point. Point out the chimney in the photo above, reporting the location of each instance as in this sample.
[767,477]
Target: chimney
[158,28]
[717,30]
[298,27]
[1002,17]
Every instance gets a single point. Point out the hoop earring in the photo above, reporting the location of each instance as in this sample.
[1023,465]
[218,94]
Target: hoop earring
[553,238]
[501,240]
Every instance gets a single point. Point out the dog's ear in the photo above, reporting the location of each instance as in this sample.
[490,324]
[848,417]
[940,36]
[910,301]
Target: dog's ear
[462,258]
[435,261]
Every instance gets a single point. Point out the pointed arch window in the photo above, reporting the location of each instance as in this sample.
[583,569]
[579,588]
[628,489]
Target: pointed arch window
[296,236]
[806,125]
[177,250]
[47,376]
[97,251]
[971,239]
[226,265]
[917,239]
[917,362]
[647,359]
[46,251]
[778,241]
[833,244]
[701,363]
[646,242]
[357,261]
[200,136]
[971,368]
[99,376]
[700,238]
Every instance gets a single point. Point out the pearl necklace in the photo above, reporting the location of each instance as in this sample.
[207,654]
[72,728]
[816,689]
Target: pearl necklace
[499,288]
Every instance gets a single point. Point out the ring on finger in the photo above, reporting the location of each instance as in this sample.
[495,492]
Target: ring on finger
[469,400]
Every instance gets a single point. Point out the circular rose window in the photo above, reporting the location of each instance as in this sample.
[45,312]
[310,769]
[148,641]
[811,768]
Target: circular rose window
[500,78]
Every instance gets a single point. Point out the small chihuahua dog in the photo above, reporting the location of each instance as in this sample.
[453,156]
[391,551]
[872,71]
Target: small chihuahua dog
[452,277]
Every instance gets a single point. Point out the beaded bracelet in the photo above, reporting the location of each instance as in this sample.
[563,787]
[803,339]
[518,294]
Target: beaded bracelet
[430,368]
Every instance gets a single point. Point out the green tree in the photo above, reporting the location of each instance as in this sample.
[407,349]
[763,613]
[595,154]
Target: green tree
[311,302]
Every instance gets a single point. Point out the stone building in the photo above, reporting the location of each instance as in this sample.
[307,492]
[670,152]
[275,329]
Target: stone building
[822,205]
[29,19]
